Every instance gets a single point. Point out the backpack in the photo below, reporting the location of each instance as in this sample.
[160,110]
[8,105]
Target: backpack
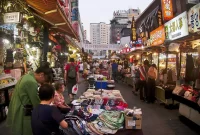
[72,72]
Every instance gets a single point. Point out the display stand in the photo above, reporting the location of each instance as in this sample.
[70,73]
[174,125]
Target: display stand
[7,84]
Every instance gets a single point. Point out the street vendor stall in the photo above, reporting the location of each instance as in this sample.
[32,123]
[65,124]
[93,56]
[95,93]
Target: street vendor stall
[105,112]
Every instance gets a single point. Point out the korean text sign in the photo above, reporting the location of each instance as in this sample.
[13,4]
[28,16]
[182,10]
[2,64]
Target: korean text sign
[157,36]
[194,19]
[177,27]
[167,9]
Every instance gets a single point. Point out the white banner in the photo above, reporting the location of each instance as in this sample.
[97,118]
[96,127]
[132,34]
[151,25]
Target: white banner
[13,17]
[194,19]
[114,47]
[177,27]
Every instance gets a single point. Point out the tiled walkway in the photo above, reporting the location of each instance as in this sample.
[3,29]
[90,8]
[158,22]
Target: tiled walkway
[156,119]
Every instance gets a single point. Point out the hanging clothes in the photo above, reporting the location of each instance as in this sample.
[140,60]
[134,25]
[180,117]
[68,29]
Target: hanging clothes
[189,69]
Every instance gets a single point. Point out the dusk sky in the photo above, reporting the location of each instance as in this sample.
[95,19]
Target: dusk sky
[95,11]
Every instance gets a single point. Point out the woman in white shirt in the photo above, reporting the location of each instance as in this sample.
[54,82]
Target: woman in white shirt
[81,67]
[151,83]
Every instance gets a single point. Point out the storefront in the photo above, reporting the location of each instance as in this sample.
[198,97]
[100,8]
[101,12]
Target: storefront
[31,34]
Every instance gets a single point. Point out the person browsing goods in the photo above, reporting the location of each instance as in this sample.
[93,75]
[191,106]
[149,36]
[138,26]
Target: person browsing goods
[71,77]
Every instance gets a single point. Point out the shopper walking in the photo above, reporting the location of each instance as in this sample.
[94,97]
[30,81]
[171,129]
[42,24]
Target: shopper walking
[46,119]
[136,75]
[114,70]
[71,77]
[142,84]
[109,71]
[24,98]
[151,84]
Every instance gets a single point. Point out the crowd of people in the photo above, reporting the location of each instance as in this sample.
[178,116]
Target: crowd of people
[37,104]
[144,80]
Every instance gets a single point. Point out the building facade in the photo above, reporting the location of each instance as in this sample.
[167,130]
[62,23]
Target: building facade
[100,33]
[121,19]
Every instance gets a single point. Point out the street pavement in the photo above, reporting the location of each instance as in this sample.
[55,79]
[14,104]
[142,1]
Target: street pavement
[157,120]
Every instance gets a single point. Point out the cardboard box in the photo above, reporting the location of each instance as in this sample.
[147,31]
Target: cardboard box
[134,122]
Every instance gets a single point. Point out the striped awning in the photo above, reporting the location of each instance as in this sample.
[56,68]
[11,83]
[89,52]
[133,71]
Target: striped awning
[52,12]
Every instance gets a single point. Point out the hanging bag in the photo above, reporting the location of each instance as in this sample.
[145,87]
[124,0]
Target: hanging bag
[75,89]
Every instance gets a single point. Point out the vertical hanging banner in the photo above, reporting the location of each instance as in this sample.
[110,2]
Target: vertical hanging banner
[133,31]
[160,19]
[167,9]
[75,15]
[194,19]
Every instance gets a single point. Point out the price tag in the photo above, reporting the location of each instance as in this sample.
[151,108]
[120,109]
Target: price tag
[131,123]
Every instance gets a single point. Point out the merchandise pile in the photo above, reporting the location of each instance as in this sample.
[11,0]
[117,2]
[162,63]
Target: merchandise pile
[188,93]
[102,99]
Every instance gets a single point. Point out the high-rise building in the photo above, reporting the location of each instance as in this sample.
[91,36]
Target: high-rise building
[100,33]
[122,19]
[85,35]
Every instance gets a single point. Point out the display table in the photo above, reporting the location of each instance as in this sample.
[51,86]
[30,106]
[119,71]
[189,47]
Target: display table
[109,108]
[188,109]
[164,94]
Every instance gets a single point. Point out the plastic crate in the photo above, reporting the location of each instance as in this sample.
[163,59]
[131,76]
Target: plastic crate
[101,84]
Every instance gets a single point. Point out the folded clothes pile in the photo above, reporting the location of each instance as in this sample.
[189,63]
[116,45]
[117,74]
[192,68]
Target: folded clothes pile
[108,122]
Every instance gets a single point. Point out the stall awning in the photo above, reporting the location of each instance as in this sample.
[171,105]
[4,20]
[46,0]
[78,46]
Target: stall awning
[52,12]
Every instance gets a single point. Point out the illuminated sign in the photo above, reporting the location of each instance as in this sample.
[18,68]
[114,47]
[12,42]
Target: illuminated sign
[133,29]
[177,27]
[14,17]
[167,9]
[157,36]
[194,19]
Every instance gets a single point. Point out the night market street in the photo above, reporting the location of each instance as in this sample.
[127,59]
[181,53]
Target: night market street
[157,120]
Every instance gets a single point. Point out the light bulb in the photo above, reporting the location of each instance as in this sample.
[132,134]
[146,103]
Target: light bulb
[31,58]
[27,46]
[33,48]
[50,44]
[6,41]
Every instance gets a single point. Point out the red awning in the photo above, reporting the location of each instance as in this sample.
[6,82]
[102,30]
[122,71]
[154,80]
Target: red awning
[53,13]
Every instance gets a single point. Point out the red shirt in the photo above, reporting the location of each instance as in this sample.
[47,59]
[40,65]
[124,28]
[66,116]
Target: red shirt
[68,66]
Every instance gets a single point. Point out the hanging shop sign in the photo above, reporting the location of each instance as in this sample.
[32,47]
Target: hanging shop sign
[157,37]
[193,1]
[75,15]
[160,19]
[133,30]
[113,47]
[177,27]
[167,9]
[14,17]
[194,19]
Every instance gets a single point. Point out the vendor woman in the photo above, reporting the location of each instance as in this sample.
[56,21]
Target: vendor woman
[59,100]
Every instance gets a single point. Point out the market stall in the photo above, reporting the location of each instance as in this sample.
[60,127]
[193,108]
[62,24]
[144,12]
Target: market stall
[105,112]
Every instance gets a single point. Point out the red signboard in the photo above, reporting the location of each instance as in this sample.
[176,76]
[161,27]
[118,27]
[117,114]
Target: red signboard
[167,9]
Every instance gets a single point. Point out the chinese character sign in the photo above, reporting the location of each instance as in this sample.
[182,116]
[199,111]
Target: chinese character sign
[194,19]
[177,27]
[157,36]
[167,9]
[133,30]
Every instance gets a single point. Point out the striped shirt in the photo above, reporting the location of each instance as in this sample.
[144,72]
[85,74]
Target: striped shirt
[143,73]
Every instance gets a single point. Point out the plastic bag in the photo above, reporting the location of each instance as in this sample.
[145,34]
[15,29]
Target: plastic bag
[75,89]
